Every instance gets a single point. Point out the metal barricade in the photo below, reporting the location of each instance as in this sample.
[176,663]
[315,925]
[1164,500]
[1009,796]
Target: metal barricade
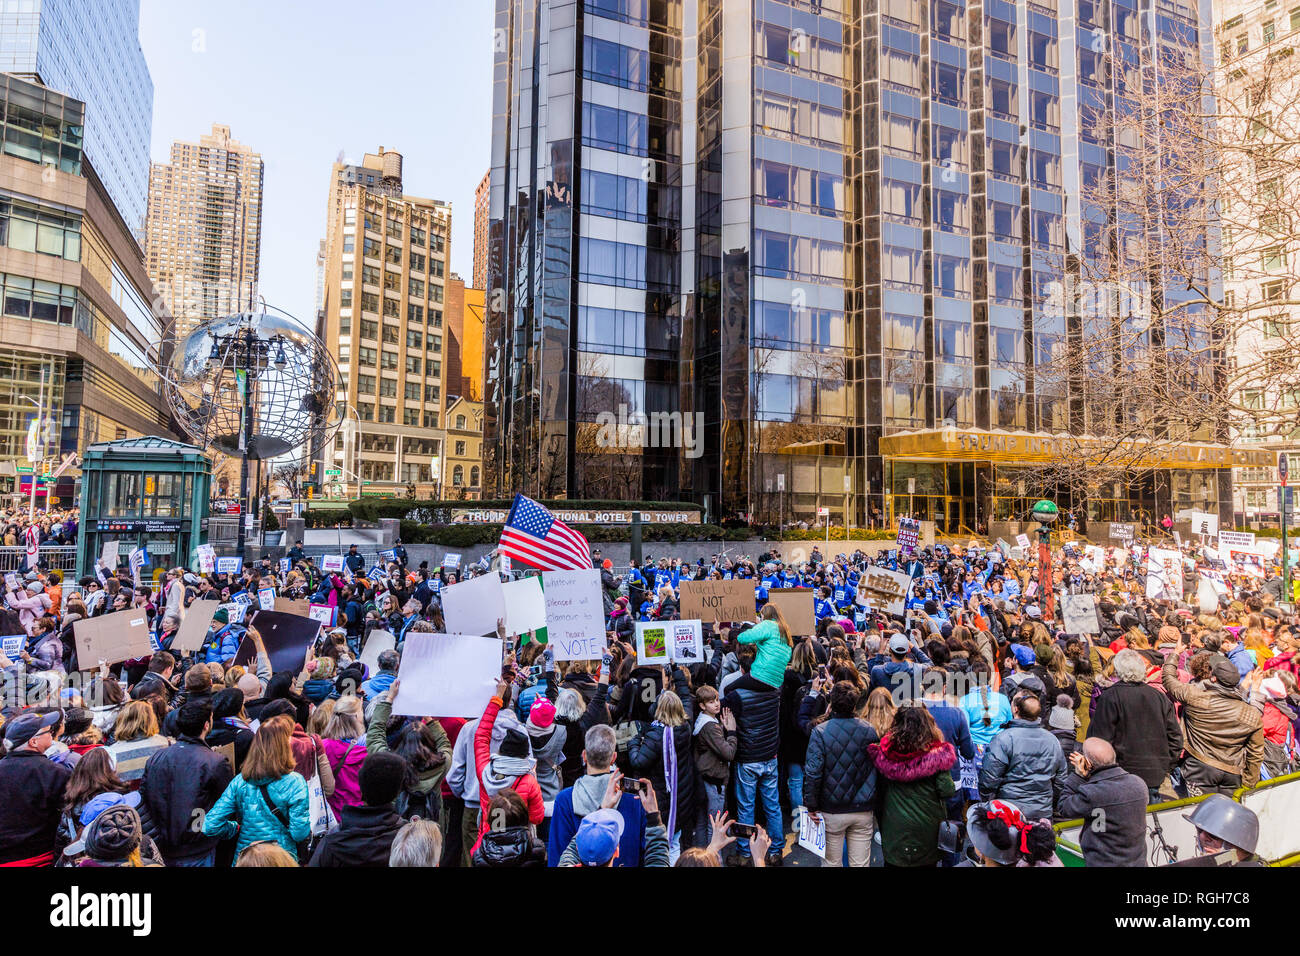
[56,557]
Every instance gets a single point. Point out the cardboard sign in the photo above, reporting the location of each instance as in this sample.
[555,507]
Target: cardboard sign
[1023,541]
[1080,613]
[796,606]
[331,562]
[525,605]
[194,627]
[378,642]
[575,614]
[323,614]
[652,645]
[718,600]
[117,636]
[230,565]
[301,607]
[286,637]
[1205,524]
[227,751]
[447,675]
[474,606]
[687,642]
[883,589]
[812,836]
[1237,539]
[266,599]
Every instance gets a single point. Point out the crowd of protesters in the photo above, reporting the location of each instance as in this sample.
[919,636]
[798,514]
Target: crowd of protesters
[953,734]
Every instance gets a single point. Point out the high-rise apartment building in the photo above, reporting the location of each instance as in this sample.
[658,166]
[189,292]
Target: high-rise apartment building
[91,51]
[75,299]
[809,254]
[481,209]
[465,323]
[384,297]
[204,236]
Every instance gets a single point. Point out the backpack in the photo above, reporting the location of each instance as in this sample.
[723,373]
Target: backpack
[426,806]
[1280,759]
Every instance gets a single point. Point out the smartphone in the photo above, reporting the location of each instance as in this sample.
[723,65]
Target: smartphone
[822,672]
[535,671]
[606,660]
[743,830]
[630,785]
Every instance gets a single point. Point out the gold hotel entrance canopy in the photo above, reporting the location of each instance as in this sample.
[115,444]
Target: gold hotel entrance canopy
[960,444]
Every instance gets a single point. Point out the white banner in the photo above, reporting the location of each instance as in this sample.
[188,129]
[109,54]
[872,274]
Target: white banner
[525,605]
[1237,539]
[331,562]
[474,606]
[447,675]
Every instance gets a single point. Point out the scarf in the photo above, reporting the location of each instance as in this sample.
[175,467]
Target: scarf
[670,777]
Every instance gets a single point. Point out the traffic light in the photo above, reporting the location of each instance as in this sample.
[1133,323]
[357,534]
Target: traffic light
[311,492]
[314,466]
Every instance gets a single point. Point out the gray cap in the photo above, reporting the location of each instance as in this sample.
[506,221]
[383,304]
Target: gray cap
[1224,671]
[898,644]
[1225,818]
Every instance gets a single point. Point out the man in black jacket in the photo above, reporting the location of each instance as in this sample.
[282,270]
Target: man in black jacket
[365,834]
[1112,803]
[757,709]
[180,785]
[31,790]
[1139,722]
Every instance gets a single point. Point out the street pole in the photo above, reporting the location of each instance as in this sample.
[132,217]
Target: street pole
[245,439]
[1283,474]
[40,431]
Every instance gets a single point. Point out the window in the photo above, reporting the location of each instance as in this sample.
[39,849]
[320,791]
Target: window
[34,229]
[390,360]
[366,411]
[619,197]
[614,63]
[416,262]
[414,313]
[369,329]
[432,393]
[1243,44]
[460,449]
[608,128]
[412,393]
[1274,259]
[613,263]
[410,416]
[365,357]
[349,243]
[387,414]
[473,476]
[369,302]
[392,308]
[416,288]
[366,384]
[435,342]
[414,339]
[345,299]
[460,423]
[413,364]
[1270,32]
[430,419]
[388,388]
[1259,125]
[458,476]
[390,334]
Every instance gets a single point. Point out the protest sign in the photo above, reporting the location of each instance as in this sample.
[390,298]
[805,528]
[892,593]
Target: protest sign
[286,638]
[450,675]
[796,606]
[378,642]
[883,589]
[230,565]
[111,638]
[266,599]
[812,836]
[1248,562]
[1207,597]
[286,605]
[909,532]
[652,642]
[388,556]
[12,581]
[687,644]
[1023,541]
[207,558]
[227,751]
[331,562]
[1080,613]
[108,555]
[450,562]
[1164,574]
[1121,532]
[11,645]
[1205,523]
[575,614]
[284,567]
[234,612]
[1237,539]
[525,605]
[323,614]
[718,600]
[194,627]
[474,606]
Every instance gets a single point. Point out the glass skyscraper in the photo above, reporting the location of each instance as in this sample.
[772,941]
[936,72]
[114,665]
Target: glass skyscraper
[831,236]
[91,51]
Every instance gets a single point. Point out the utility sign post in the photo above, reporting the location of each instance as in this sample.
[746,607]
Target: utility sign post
[1282,469]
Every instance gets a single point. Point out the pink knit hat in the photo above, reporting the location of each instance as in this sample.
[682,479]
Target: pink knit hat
[542,714]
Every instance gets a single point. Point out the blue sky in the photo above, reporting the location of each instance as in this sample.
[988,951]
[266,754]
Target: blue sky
[302,81]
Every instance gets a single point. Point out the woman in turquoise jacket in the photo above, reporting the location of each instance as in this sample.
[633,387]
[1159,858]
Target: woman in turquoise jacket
[268,800]
[773,643]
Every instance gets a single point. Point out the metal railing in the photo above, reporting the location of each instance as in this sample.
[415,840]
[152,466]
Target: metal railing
[59,557]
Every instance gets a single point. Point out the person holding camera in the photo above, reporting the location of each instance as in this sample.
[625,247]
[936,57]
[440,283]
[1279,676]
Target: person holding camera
[1112,803]
[601,787]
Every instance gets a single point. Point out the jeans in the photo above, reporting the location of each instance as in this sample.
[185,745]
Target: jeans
[794,784]
[758,782]
[857,828]
[715,801]
[209,859]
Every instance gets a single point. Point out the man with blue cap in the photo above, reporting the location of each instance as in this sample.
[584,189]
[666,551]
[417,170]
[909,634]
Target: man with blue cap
[596,842]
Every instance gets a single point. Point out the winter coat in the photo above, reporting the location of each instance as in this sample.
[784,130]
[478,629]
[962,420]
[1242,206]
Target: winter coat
[646,755]
[1118,798]
[1221,729]
[548,749]
[185,777]
[1024,765]
[756,705]
[916,788]
[794,741]
[838,774]
[242,808]
[1141,725]
[32,804]
[496,773]
[430,779]
[715,749]
[510,847]
[574,803]
[773,652]
[345,759]
[575,731]
[364,838]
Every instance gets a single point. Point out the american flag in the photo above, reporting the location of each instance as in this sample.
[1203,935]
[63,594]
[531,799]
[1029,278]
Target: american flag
[537,538]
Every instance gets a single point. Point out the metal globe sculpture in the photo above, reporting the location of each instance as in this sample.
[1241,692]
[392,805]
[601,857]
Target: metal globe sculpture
[291,376]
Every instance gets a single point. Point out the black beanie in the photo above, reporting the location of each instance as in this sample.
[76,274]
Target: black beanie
[228,703]
[381,778]
[515,744]
[277,708]
[113,834]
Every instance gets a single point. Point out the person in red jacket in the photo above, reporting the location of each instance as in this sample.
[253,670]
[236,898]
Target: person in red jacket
[512,766]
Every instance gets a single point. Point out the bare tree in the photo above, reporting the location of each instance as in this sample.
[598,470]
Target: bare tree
[292,477]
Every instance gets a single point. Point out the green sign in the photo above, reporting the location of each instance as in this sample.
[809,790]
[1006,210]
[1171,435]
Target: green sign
[331,472]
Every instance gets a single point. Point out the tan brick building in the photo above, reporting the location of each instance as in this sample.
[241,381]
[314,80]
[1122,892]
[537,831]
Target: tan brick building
[481,214]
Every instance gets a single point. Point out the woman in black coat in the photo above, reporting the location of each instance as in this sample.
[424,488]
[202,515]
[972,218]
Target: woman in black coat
[646,757]
[794,741]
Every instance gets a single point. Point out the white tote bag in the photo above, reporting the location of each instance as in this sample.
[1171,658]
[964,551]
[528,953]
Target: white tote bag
[322,817]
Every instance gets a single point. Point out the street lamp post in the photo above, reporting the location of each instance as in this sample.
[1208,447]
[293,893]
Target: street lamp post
[1045,512]
[250,353]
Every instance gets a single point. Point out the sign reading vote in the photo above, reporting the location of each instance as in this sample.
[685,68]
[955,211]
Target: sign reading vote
[575,614]
[718,600]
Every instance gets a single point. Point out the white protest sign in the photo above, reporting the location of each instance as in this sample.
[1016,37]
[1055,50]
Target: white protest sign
[230,565]
[883,588]
[11,645]
[652,645]
[266,599]
[323,614]
[575,614]
[207,558]
[447,675]
[687,643]
[284,567]
[474,606]
[1164,574]
[525,605]
[1023,541]
[331,562]
[812,836]
[1207,598]
[378,642]
[1237,539]
[1080,613]
[1205,524]
[12,581]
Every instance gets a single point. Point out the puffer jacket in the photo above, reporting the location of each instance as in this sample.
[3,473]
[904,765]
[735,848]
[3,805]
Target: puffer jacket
[839,775]
[575,731]
[916,788]
[548,748]
[509,847]
[646,755]
[241,808]
[1024,765]
[773,652]
[187,776]
[756,706]
[1221,729]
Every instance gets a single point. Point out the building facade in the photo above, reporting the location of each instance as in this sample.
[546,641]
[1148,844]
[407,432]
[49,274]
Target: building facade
[465,325]
[481,208]
[806,255]
[463,468]
[204,237]
[77,301]
[91,51]
[383,318]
